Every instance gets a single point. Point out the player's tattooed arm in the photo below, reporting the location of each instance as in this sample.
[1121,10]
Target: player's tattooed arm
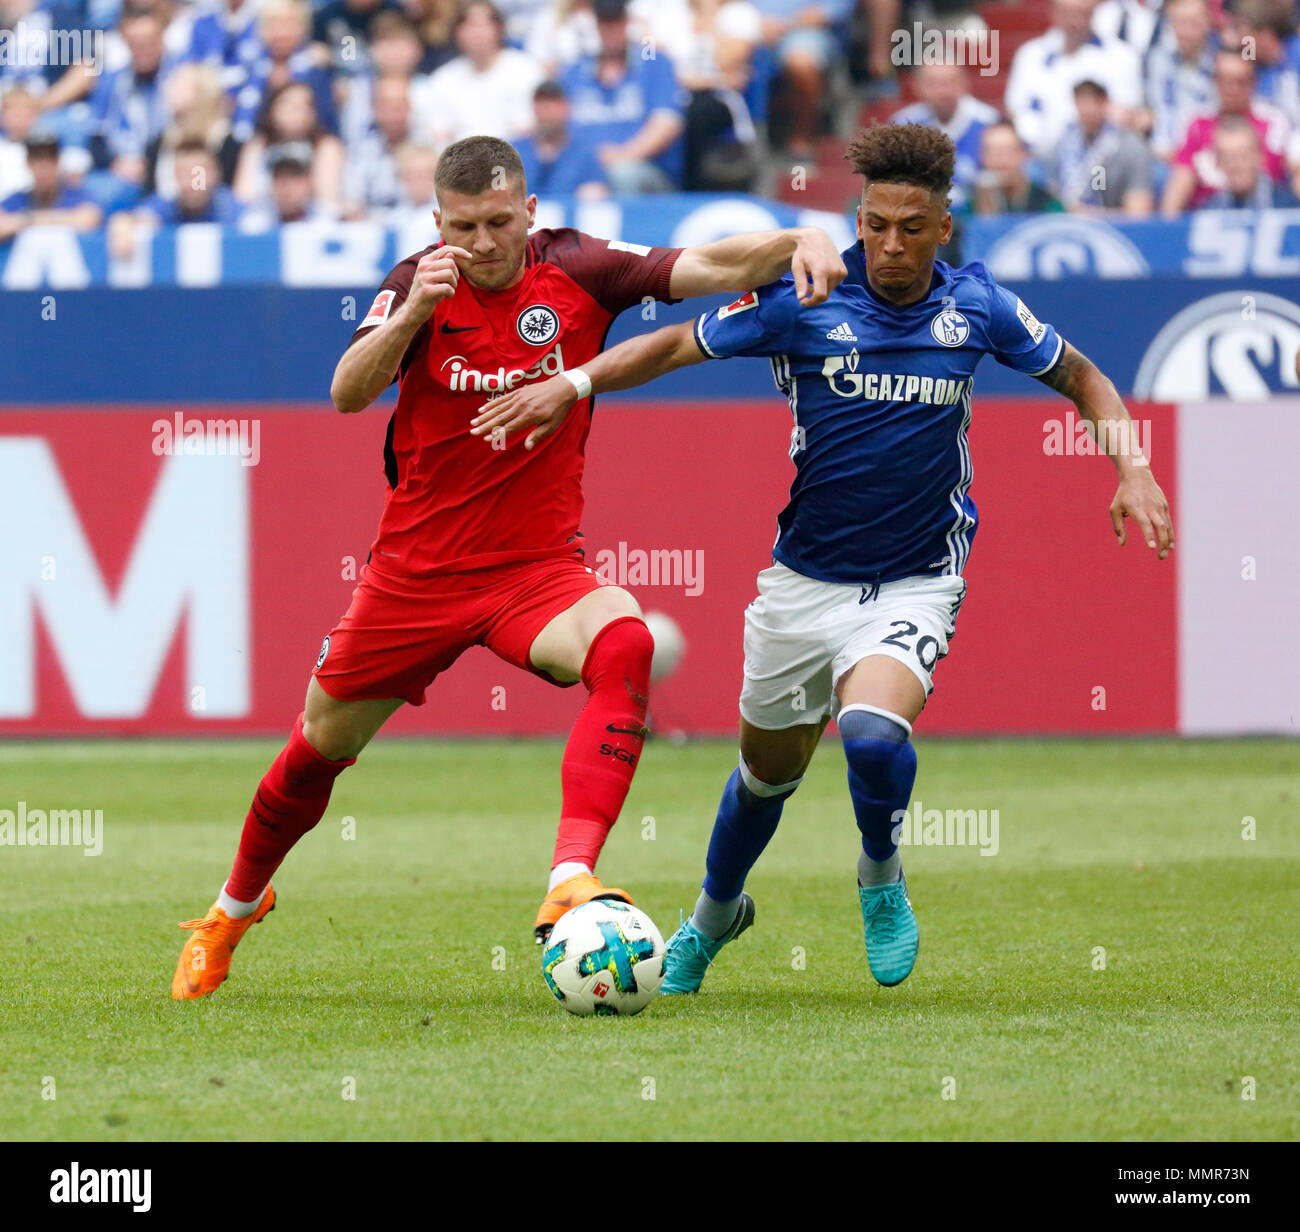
[369,365]
[1066,374]
[1098,402]
[543,405]
[743,262]
[1076,377]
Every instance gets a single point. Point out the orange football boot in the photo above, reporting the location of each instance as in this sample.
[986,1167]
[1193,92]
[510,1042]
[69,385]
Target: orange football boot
[575,890]
[205,959]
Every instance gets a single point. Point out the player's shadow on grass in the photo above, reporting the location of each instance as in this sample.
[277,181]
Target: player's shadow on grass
[977,998]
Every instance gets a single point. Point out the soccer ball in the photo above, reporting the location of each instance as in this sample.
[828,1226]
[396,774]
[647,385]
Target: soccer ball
[670,644]
[604,957]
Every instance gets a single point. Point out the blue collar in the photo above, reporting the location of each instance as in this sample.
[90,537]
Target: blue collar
[855,261]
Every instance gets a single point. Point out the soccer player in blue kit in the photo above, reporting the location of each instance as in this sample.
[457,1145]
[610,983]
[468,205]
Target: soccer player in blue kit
[866,581]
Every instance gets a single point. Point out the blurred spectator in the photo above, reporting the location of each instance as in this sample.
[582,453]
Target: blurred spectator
[19,112]
[72,17]
[83,14]
[519,17]
[712,44]
[1195,175]
[27,27]
[1269,27]
[562,33]
[50,201]
[944,102]
[436,22]
[805,49]
[553,162]
[1246,184]
[1134,22]
[197,196]
[196,104]
[290,119]
[177,17]
[371,183]
[1179,73]
[30,23]
[1040,88]
[416,165]
[129,104]
[342,27]
[286,55]
[293,196]
[395,45]
[225,36]
[1099,166]
[873,30]
[395,51]
[629,107]
[487,89]
[1003,185]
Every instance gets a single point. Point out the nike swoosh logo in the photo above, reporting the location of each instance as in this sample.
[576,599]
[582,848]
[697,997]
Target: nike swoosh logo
[458,329]
[625,731]
[192,985]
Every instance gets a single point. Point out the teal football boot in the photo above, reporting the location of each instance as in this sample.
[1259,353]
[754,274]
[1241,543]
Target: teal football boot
[689,952]
[889,928]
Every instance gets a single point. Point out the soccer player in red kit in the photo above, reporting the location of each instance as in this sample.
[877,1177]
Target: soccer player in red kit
[482,546]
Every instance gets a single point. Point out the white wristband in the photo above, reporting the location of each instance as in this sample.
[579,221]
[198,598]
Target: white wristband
[579,380]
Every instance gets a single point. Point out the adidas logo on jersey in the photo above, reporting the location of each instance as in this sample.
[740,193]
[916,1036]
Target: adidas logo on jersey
[842,333]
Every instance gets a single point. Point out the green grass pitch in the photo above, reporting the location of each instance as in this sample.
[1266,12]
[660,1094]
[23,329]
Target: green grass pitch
[396,991]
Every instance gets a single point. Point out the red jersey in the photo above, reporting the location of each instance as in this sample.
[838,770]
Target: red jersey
[1197,153]
[455,501]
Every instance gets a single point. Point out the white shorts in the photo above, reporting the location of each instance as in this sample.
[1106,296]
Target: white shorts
[802,635]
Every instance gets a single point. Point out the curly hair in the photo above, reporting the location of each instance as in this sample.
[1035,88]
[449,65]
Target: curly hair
[904,154]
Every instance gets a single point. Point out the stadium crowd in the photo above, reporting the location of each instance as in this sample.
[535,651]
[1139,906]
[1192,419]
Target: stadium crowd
[256,113]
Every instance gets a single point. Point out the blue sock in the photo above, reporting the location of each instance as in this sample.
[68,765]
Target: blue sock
[747,819]
[882,769]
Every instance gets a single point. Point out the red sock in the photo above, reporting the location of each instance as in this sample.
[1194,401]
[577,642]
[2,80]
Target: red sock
[290,800]
[605,743]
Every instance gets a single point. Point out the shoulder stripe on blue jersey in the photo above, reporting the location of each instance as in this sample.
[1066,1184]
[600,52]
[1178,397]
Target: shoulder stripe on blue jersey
[699,337]
[1060,347]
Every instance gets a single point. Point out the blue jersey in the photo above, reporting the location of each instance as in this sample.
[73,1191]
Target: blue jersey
[612,114]
[881,399]
[574,165]
[965,130]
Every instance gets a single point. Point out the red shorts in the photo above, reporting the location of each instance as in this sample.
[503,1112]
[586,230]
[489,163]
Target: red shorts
[398,634]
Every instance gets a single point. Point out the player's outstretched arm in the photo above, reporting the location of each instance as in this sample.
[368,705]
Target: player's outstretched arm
[543,405]
[1139,496]
[368,366]
[743,262]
